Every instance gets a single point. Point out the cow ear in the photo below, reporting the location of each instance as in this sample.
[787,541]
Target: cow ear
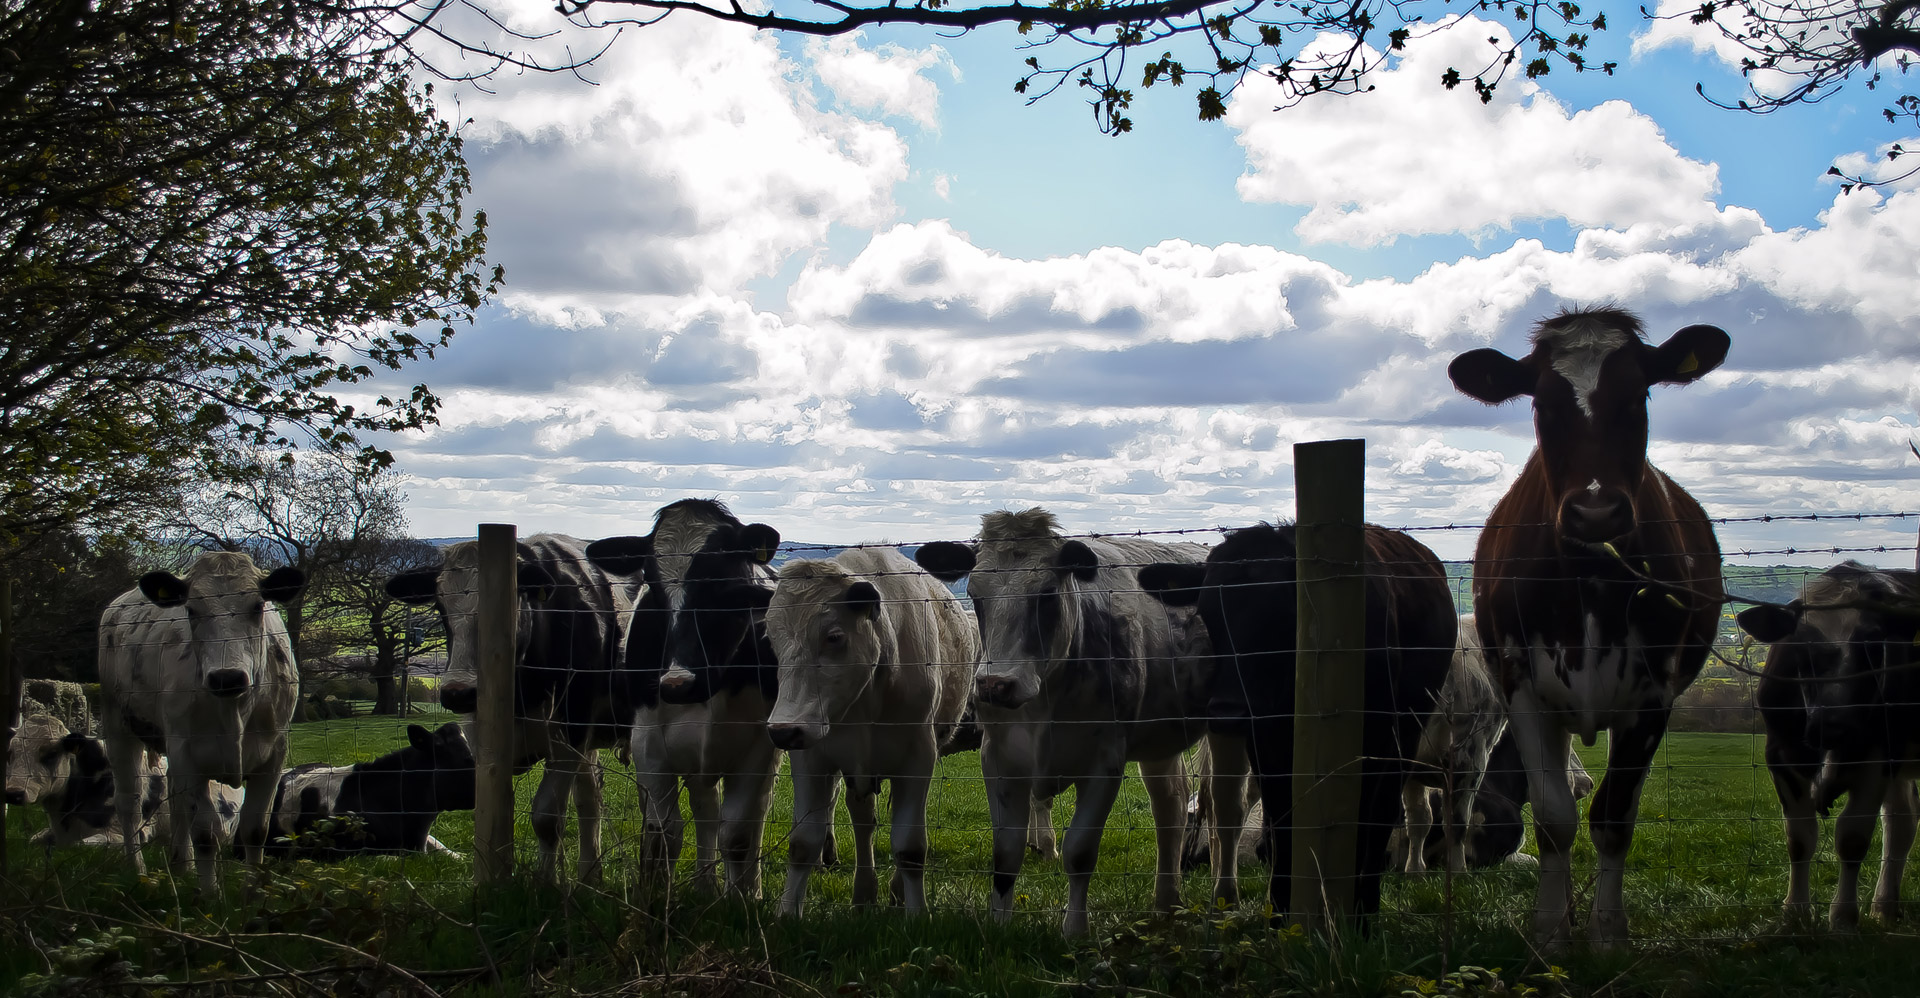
[283,584]
[759,541]
[1173,583]
[535,582]
[1769,622]
[1077,558]
[164,588]
[1490,376]
[947,561]
[621,555]
[1688,354]
[419,738]
[862,597]
[415,586]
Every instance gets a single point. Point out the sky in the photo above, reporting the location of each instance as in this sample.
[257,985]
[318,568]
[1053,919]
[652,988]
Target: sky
[858,289]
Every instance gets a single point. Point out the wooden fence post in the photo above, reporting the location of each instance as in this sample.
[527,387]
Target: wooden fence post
[1330,677]
[15,686]
[493,715]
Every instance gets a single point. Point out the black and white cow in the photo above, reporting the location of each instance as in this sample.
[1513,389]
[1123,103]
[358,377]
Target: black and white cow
[569,700]
[1246,594]
[68,775]
[392,801]
[703,678]
[1596,583]
[200,670]
[1494,832]
[1841,702]
[1081,673]
[876,668]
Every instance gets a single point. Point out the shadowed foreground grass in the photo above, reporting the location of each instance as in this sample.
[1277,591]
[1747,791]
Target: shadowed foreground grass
[1708,873]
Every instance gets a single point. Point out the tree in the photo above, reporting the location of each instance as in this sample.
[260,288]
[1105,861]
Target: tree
[393,631]
[218,216]
[59,590]
[1310,48]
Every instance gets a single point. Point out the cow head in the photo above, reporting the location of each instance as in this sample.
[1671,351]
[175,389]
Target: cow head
[233,630]
[453,587]
[707,588]
[830,632]
[1245,594]
[444,756]
[39,761]
[1854,630]
[1588,375]
[1029,587]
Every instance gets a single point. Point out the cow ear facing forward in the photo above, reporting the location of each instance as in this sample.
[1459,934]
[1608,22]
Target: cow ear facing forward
[862,597]
[1769,622]
[164,588]
[948,561]
[1173,583]
[1077,559]
[621,555]
[283,585]
[759,541]
[1688,354]
[535,582]
[742,596]
[415,586]
[1490,376]
[419,738]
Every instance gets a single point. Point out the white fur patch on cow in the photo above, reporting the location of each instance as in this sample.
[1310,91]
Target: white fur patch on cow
[1578,350]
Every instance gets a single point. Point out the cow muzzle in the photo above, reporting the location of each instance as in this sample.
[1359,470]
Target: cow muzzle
[226,682]
[461,698]
[1598,516]
[1001,691]
[680,686]
[794,737]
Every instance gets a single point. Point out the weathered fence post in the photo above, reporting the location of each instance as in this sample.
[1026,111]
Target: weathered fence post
[1330,678]
[16,681]
[493,715]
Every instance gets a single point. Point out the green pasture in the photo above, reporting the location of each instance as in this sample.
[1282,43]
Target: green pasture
[1708,873]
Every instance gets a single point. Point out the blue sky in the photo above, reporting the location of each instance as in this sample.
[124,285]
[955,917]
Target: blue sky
[860,291]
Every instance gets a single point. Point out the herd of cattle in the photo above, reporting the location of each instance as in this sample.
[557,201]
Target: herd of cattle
[1597,594]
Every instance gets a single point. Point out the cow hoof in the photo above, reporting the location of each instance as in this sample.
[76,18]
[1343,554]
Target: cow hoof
[1888,912]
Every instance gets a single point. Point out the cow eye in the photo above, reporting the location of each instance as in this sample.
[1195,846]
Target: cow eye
[836,637]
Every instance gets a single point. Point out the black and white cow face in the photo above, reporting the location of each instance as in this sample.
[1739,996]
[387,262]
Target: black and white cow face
[1027,586]
[1588,375]
[453,587]
[1852,633]
[1244,592]
[40,760]
[447,760]
[830,634]
[225,597]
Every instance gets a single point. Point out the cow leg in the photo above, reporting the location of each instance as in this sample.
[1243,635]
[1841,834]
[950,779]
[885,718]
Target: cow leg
[124,757]
[703,799]
[1228,788]
[1166,781]
[550,811]
[1417,800]
[1543,750]
[1380,791]
[1902,812]
[1040,837]
[860,807]
[205,834]
[812,817]
[1010,804]
[1803,839]
[251,829]
[909,795]
[1093,802]
[1852,836]
[1611,817]
[743,821]
[588,806]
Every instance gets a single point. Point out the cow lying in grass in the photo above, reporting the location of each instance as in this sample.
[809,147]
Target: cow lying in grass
[68,775]
[385,805]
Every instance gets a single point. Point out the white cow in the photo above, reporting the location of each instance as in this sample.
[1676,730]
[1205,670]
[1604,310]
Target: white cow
[876,657]
[200,670]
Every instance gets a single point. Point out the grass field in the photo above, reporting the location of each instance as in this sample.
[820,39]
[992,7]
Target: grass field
[1708,873]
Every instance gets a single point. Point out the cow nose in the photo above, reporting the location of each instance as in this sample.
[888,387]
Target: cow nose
[788,736]
[226,682]
[1001,691]
[679,687]
[460,698]
[1596,516]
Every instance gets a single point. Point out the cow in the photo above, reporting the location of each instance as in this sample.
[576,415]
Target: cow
[1840,699]
[703,679]
[68,775]
[1245,593]
[1080,673]
[201,671]
[876,664]
[1596,583]
[392,800]
[569,700]
[1493,833]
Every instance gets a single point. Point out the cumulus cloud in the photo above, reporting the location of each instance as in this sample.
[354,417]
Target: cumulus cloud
[887,78]
[1419,159]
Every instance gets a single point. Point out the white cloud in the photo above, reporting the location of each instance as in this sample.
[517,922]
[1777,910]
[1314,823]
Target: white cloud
[1411,158]
[887,78]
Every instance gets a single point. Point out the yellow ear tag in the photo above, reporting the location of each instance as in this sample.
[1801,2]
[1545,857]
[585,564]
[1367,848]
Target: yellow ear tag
[1688,366]
[762,555]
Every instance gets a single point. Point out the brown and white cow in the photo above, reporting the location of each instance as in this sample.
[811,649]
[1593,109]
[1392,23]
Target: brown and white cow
[1841,704]
[200,670]
[1596,582]
[569,700]
[876,664]
[1081,673]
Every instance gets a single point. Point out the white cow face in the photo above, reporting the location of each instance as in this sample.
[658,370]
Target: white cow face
[454,587]
[225,598]
[39,762]
[830,633]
